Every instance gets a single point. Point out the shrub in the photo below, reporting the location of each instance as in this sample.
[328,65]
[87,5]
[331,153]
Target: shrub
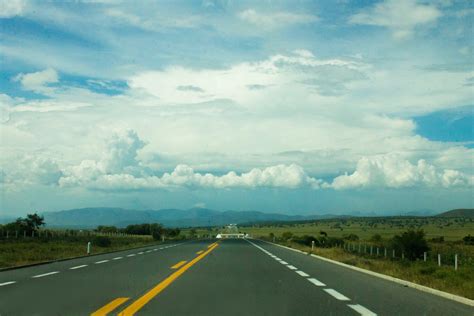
[376,238]
[351,237]
[102,241]
[468,240]
[287,235]
[439,239]
[412,243]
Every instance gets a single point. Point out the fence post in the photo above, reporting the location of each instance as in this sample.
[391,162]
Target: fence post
[377,251]
[424,256]
[89,248]
[456,262]
[439,260]
[312,245]
[371,248]
[16,234]
[385,252]
[393,253]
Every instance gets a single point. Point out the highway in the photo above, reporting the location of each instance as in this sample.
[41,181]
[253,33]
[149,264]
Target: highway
[209,277]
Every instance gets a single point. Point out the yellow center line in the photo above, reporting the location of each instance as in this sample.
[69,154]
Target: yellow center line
[199,252]
[110,306]
[179,264]
[142,301]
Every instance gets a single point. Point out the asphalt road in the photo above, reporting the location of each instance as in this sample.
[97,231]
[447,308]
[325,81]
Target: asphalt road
[229,277]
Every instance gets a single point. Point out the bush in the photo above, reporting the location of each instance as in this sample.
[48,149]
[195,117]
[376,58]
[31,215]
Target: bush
[287,235]
[351,237]
[376,238]
[468,240]
[102,241]
[439,239]
[412,243]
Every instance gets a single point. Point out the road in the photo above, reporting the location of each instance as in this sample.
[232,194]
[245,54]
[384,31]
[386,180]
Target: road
[227,277]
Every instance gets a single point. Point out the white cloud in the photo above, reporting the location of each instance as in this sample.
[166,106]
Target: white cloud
[393,171]
[37,81]
[275,20]
[11,8]
[400,16]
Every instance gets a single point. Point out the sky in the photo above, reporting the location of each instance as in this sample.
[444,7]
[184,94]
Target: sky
[295,107]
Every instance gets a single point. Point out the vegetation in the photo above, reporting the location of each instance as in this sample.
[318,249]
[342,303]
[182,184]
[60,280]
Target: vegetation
[368,243]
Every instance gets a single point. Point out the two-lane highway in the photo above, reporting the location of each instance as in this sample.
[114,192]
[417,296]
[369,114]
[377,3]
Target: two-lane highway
[231,277]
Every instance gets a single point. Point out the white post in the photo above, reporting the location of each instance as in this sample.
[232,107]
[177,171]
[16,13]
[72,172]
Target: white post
[424,256]
[439,259]
[312,245]
[385,253]
[393,253]
[377,251]
[162,238]
[403,255]
[89,248]
[456,262]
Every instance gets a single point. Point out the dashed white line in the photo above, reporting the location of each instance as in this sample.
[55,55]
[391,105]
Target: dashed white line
[7,283]
[140,253]
[148,251]
[316,282]
[155,249]
[45,274]
[291,267]
[78,267]
[131,255]
[336,295]
[102,261]
[117,258]
[283,262]
[303,274]
[362,310]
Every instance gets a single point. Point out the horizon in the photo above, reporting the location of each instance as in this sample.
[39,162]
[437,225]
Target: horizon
[285,108]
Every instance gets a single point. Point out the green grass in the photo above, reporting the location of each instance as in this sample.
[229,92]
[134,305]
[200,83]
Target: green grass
[15,252]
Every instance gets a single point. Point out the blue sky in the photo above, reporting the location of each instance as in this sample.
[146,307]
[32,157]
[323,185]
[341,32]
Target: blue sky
[280,106]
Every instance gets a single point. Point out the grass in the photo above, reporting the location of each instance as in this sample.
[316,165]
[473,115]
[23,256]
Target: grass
[444,278]
[16,252]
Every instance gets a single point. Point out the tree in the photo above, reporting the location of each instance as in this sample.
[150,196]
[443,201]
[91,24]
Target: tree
[412,243]
[287,235]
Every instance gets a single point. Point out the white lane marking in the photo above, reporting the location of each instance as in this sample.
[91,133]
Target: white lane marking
[161,248]
[362,310]
[148,251]
[155,249]
[7,283]
[131,255]
[316,282]
[78,267]
[117,258]
[336,295]
[140,253]
[276,258]
[101,261]
[292,267]
[303,274]
[283,262]
[45,274]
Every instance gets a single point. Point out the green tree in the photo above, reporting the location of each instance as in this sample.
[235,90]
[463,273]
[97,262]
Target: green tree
[412,243]
[287,235]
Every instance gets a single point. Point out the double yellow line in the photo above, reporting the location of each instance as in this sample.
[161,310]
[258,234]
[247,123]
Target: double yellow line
[142,301]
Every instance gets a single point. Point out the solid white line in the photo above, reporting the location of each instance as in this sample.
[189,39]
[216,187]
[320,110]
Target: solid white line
[276,258]
[78,267]
[283,262]
[336,295]
[362,310]
[292,267]
[7,283]
[316,282]
[44,274]
[131,255]
[117,258]
[102,261]
[303,274]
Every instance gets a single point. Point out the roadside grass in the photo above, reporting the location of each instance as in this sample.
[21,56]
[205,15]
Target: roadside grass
[16,252]
[444,278]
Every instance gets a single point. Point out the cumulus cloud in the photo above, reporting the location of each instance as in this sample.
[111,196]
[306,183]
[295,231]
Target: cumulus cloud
[400,16]
[274,20]
[11,8]
[392,171]
[37,81]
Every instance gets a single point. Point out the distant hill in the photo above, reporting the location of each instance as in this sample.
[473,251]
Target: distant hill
[92,217]
[460,212]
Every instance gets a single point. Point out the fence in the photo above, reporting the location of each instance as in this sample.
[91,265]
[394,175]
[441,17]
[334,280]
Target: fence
[373,251]
[53,233]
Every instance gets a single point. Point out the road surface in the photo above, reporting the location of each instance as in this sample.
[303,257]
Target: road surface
[227,277]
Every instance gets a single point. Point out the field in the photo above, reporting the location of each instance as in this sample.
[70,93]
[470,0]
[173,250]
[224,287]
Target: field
[444,236]
[22,251]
